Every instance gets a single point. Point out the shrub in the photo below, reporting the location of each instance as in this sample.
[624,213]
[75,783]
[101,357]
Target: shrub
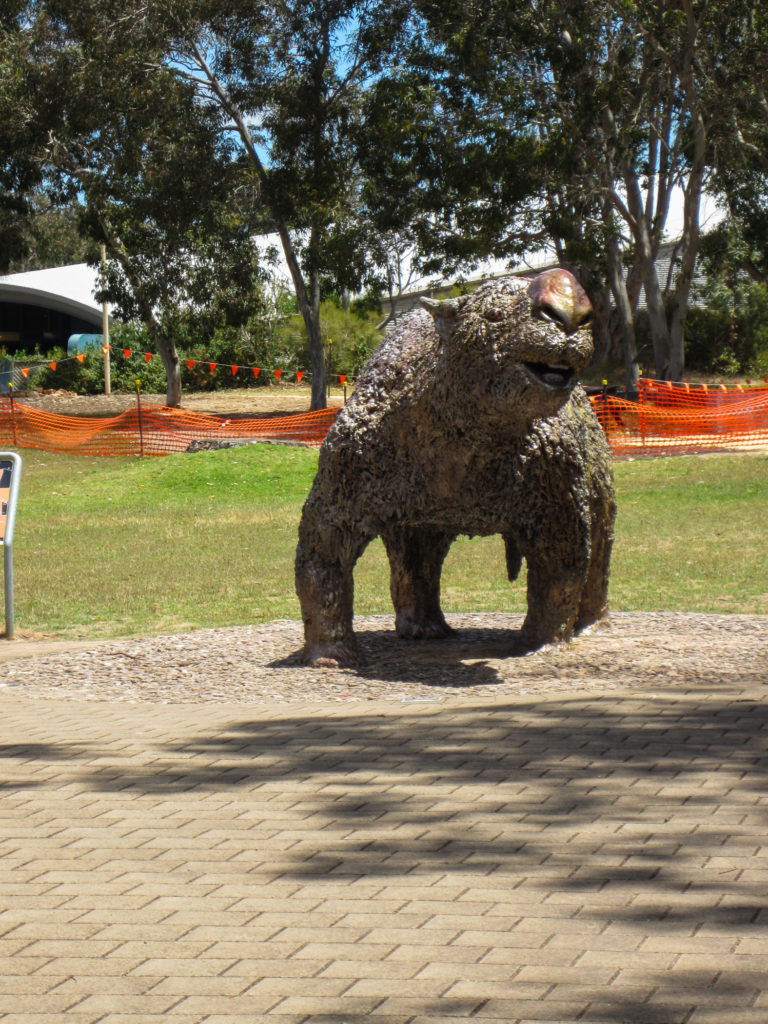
[277,342]
[730,335]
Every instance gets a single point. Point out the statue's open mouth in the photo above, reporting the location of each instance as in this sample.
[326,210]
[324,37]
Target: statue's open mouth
[554,376]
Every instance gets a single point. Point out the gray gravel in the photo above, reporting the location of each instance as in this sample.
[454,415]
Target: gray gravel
[260,664]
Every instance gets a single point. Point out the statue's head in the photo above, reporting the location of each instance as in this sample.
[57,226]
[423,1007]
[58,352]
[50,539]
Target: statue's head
[531,334]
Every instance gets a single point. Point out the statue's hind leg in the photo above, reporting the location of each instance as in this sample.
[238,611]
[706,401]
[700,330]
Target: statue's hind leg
[416,556]
[593,607]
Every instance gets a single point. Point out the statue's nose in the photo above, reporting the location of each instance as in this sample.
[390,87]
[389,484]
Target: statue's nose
[558,297]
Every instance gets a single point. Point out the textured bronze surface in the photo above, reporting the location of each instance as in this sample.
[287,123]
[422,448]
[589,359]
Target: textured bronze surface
[466,420]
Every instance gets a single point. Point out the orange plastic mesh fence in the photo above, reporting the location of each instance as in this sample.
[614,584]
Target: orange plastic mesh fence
[666,419]
[157,431]
[672,419]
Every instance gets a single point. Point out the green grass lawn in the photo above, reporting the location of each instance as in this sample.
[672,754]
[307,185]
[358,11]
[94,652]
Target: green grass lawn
[111,547]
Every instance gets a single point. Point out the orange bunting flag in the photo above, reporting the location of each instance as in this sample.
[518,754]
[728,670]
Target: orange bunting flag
[299,375]
[52,366]
[105,349]
[25,371]
[190,363]
[278,375]
[80,358]
[127,353]
[213,367]
[147,356]
[234,370]
[342,379]
[256,371]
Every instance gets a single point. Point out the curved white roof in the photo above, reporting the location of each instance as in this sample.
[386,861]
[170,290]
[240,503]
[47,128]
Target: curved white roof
[66,289]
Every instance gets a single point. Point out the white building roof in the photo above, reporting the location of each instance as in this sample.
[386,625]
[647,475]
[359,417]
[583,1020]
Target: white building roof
[68,289]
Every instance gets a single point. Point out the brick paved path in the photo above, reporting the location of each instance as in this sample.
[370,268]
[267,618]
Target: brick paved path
[596,858]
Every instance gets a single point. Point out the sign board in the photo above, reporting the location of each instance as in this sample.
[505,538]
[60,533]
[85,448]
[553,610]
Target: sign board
[10,474]
[6,479]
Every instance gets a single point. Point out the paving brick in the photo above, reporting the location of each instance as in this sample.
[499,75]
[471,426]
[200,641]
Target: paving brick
[26,984]
[508,939]
[35,1002]
[253,900]
[23,1017]
[206,985]
[545,1010]
[318,1006]
[547,955]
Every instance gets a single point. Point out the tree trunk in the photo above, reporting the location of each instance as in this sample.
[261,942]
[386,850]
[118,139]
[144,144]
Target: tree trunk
[690,249]
[165,346]
[316,350]
[309,307]
[601,330]
[646,250]
[309,310]
[170,360]
[618,285]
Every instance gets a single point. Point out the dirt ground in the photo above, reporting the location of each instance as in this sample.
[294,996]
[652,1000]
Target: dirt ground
[281,399]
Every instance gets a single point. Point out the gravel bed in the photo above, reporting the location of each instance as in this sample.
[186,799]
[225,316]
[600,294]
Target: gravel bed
[260,664]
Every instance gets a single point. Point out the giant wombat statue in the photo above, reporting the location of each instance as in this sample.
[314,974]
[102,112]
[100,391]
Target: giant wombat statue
[468,420]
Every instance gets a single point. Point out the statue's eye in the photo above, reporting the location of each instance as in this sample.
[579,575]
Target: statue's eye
[494,315]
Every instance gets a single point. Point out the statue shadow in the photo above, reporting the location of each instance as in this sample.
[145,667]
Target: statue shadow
[461,661]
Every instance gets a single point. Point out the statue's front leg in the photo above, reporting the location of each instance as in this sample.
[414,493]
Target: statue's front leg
[325,561]
[557,571]
[593,609]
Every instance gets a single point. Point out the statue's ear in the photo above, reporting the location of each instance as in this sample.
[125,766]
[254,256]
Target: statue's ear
[444,312]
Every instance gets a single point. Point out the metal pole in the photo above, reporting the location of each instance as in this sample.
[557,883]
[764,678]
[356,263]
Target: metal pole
[13,468]
[105,328]
[8,573]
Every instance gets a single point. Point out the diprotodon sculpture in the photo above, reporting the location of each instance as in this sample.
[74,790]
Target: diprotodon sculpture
[468,419]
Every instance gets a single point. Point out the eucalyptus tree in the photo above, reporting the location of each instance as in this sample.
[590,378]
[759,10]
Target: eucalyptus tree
[153,176]
[285,79]
[20,174]
[491,131]
[573,125]
[737,68]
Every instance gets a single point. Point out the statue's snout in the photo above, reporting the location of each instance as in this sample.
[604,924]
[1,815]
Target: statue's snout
[556,296]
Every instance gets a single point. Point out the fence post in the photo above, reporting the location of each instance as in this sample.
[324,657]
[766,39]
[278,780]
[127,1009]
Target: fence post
[13,411]
[10,474]
[141,425]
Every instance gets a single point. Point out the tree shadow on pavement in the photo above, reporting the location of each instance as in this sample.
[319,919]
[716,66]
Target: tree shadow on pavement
[641,814]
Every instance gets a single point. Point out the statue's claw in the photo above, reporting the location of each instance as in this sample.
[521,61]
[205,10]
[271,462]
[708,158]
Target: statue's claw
[332,656]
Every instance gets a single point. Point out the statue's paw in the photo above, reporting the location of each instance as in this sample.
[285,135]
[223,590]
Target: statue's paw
[525,644]
[332,656]
[602,624]
[421,627]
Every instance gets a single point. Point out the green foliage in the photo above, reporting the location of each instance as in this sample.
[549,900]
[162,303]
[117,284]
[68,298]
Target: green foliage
[277,342]
[349,336]
[188,541]
[730,335]
[51,236]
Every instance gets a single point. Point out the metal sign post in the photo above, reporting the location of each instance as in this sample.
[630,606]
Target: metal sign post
[10,475]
